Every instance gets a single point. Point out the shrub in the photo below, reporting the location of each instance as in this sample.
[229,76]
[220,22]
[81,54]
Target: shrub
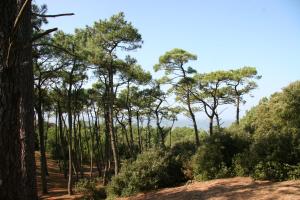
[86,187]
[148,171]
[271,171]
[208,163]
[241,164]
[180,158]
[294,172]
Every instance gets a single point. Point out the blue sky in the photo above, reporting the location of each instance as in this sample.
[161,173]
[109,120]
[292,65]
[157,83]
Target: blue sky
[225,34]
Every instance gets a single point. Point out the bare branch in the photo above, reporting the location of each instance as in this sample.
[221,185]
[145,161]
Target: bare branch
[40,35]
[58,15]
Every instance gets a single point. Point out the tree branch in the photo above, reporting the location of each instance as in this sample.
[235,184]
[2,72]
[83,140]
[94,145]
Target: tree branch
[58,15]
[38,36]
[19,16]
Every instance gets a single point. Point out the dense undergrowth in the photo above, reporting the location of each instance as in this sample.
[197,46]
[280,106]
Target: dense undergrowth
[265,145]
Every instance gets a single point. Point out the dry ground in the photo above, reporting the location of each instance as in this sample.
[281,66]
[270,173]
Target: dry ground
[239,188]
[57,184]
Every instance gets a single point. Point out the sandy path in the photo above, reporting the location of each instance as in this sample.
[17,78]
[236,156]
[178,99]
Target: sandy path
[227,189]
[57,184]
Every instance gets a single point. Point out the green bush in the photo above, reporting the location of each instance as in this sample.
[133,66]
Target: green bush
[148,171]
[271,171]
[87,187]
[294,172]
[180,158]
[208,163]
[241,164]
[215,158]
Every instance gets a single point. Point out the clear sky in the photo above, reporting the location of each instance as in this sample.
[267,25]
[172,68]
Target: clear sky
[225,34]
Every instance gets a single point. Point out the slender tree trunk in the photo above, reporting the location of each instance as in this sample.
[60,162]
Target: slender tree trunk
[149,131]
[110,121]
[99,153]
[173,121]
[130,127]
[238,110]
[62,140]
[138,130]
[80,146]
[193,119]
[107,146]
[92,145]
[211,124]
[70,180]
[75,153]
[42,145]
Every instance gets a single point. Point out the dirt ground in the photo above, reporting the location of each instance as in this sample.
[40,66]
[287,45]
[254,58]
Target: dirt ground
[239,188]
[57,184]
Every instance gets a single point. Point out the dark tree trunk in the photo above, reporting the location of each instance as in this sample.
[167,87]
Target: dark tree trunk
[238,110]
[92,145]
[17,169]
[193,119]
[70,180]
[149,131]
[130,128]
[62,140]
[107,146]
[138,130]
[211,123]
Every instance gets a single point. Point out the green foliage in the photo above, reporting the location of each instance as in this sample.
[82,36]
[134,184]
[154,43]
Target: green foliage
[273,126]
[148,171]
[153,169]
[208,163]
[87,187]
[180,134]
[180,158]
[271,170]
[214,159]
[294,172]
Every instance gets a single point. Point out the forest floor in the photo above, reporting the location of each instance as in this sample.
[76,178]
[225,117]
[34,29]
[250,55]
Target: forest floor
[238,188]
[57,184]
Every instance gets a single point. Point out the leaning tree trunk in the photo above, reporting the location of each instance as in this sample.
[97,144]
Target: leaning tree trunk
[17,169]
[193,119]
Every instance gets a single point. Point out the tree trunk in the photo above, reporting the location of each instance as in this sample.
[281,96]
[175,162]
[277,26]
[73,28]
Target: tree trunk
[130,129]
[138,130]
[211,123]
[70,180]
[193,119]
[110,121]
[238,110]
[17,169]
[42,146]
[149,131]
[107,146]
[62,140]
[92,145]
